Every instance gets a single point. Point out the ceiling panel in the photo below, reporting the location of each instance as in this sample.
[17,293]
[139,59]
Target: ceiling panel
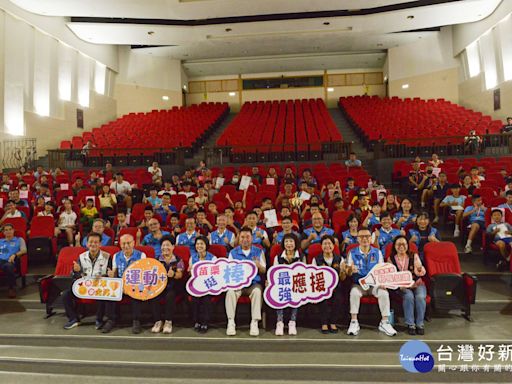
[196,9]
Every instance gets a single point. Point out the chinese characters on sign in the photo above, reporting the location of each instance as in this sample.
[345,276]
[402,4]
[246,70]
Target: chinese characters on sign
[145,279]
[472,358]
[213,278]
[387,276]
[102,288]
[299,284]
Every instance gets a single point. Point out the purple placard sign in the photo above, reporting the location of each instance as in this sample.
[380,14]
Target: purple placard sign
[213,278]
[299,284]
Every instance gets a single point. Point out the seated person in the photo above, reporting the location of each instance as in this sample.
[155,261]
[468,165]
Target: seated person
[154,236]
[48,209]
[119,263]
[507,205]
[507,128]
[92,263]
[386,234]
[98,226]
[439,191]
[287,226]
[165,208]
[352,161]
[123,190]
[476,217]
[190,209]
[405,214]
[350,235]
[423,233]
[148,215]
[455,202]
[246,251]
[67,222]
[122,223]
[361,260]
[314,234]
[153,198]
[11,249]
[373,218]
[202,223]
[188,238]
[108,202]
[259,235]
[88,214]
[417,179]
[222,235]
[11,211]
[501,232]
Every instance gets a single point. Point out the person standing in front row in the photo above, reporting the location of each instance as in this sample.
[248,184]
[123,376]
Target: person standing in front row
[201,305]
[246,252]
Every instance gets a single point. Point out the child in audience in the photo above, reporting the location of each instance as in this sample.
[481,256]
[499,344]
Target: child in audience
[501,233]
[455,203]
[88,213]
[386,234]
[476,215]
[373,218]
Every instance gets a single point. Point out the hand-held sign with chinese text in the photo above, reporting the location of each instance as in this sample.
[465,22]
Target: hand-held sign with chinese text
[98,288]
[386,275]
[213,278]
[145,279]
[299,284]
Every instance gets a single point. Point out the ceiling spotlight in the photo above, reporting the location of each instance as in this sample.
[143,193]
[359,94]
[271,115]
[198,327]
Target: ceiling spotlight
[330,89]
[165,98]
[228,29]
[151,33]
[410,17]
[405,86]
[327,23]
[232,94]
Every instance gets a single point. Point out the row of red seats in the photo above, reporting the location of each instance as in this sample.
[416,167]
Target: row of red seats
[177,127]
[395,119]
[279,125]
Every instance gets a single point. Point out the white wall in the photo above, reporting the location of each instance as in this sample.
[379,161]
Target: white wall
[144,79]
[465,34]
[427,66]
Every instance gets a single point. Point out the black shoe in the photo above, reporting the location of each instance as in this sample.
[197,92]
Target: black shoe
[411,330]
[136,329]
[107,327]
[203,328]
[197,327]
[333,329]
[420,331]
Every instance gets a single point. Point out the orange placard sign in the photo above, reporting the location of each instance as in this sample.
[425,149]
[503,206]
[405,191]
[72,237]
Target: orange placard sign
[145,279]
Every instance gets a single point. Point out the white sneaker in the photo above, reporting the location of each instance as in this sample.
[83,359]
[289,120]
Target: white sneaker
[254,331]
[167,327]
[157,327]
[353,328]
[279,328]
[231,329]
[292,329]
[387,328]
[456,233]
[468,249]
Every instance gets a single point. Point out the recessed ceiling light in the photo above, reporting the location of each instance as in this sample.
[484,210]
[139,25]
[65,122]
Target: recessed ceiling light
[410,17]
[232,94]
[151,33]
[165,98]
[330,89]
[327,23]
[405,86]
[228,29]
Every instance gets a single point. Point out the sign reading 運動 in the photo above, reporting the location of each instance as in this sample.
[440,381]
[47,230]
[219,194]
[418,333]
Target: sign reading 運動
[145,279]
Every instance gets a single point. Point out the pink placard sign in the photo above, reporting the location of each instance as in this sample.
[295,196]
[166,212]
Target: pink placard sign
[386,276]
[298,284]
[215,277]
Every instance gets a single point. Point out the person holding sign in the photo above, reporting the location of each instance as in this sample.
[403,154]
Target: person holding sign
[222,235]
[415,296]
[92,263]
[501,232]
[201,305]
[330,309]
[362,259]
[291,254]
[174,267]
[248,252]
[120,261]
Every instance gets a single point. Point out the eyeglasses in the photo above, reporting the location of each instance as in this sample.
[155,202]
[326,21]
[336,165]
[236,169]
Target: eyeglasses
[364,236]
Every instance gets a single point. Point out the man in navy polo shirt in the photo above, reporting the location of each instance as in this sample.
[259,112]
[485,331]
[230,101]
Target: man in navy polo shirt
[246,251]
[11,248]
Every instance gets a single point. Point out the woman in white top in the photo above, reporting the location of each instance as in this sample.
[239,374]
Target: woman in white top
[67,222]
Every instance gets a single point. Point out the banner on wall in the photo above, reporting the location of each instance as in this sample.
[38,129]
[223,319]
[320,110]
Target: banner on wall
[386,275]
[299,284]
[215,277]
[98,288]
[145,279]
